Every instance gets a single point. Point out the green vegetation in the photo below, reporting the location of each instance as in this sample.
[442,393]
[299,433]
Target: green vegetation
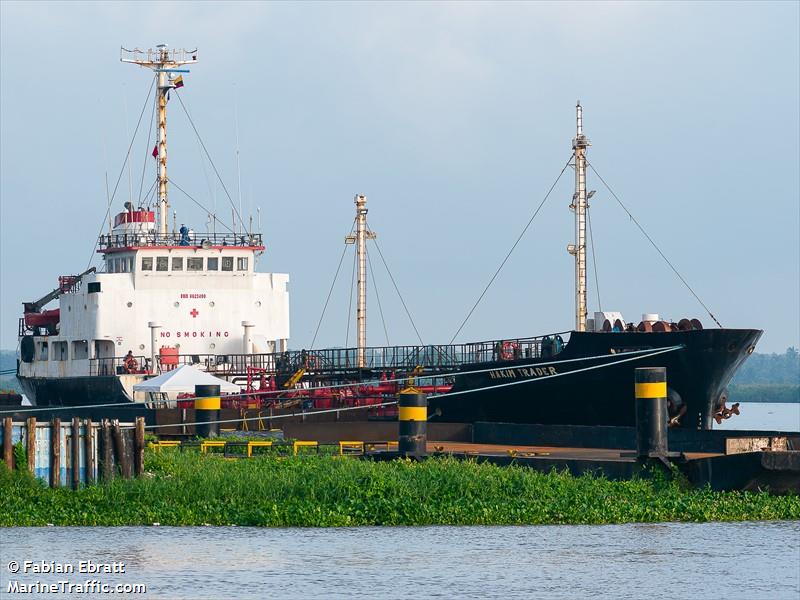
[762,392]
[8,381]
[186,488]
[770,369]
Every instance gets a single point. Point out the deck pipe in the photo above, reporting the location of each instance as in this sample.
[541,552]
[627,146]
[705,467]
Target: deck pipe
[651,412]
[413,424]
[207,405]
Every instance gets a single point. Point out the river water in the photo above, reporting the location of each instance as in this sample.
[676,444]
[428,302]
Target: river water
[670,560]
[773,416]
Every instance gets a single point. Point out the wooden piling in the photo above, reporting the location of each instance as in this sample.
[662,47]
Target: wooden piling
[107,471]
[8,447]
[123,458]
[88,449]
[76,453]
[55,452]
[30,444]
[139,445]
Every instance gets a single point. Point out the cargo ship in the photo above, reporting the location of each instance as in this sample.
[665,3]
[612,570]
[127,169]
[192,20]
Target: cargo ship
[165,297]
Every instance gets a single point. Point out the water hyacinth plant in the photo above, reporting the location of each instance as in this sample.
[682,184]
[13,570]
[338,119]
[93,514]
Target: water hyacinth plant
[189,488]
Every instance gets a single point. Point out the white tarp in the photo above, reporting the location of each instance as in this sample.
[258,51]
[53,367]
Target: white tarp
[182,380]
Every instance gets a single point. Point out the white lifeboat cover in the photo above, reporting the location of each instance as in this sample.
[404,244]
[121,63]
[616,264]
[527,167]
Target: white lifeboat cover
[182,380]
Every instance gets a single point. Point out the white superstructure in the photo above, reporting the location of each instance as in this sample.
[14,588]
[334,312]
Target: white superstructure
[158,297]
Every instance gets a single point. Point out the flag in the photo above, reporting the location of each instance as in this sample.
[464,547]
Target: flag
[178,81]
[155,151]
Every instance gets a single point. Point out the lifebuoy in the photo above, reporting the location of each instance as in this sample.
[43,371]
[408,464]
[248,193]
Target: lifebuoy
[508,350]
[131,365]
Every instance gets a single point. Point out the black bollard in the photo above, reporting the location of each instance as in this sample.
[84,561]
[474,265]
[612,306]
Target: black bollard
[206,408]
[651,412]
[413,424]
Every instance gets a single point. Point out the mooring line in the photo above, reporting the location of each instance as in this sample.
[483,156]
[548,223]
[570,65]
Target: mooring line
[501,385]
[393,402]
[373,382]
[268,418]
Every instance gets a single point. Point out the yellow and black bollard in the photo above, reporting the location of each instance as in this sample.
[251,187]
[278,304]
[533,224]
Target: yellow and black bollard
[413,423]
[207,405]
[651,412]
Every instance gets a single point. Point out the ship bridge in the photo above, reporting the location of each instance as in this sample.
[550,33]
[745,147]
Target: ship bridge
[178,292]
[135,229]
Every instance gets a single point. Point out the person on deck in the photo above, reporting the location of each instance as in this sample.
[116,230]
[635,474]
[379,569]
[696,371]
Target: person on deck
[130,363]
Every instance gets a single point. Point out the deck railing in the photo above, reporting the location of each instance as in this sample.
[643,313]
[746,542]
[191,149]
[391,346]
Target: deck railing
[116,366]
[432,359]
[193,240]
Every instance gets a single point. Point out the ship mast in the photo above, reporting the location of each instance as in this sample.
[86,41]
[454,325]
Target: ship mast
[164,62]
[360,240]
[579,206]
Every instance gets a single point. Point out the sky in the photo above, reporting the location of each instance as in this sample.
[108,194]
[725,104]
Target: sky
[454,119]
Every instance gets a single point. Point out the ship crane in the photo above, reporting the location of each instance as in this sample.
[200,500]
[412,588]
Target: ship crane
[34,317]
[65,284]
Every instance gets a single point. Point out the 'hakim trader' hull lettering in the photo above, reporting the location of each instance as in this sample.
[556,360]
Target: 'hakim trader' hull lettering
[195,334]
[522,372]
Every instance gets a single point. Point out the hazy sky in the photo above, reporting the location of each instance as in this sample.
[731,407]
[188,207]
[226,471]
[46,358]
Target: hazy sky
[454,119]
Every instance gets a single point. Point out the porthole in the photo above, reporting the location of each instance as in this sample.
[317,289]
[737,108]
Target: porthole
[258,303]
[69,309]
[129,304]
[177,304]
[141,346]
[211,346]
[211,304]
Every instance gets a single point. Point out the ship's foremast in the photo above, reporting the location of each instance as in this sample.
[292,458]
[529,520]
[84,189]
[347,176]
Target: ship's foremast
[165,63]
[580,206]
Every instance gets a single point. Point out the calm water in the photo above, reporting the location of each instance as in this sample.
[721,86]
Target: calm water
[676,561]
[781,416]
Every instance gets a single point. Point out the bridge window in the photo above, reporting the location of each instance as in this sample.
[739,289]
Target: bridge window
[125,265]
[93,287]
[80,349]
[59,351]
[194,264]
[42,353]
[147,263]
[241,264]
[162,263]
[213,264]
[177,263]
[227,263]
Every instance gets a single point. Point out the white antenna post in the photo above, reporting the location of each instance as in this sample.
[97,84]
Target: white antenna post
[164,62]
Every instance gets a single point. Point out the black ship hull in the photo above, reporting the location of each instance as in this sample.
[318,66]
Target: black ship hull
[591,382]
[100,396]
